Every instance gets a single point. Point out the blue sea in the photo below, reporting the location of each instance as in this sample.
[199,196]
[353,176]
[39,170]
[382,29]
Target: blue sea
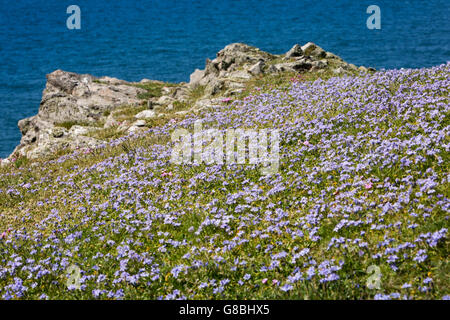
[168,39]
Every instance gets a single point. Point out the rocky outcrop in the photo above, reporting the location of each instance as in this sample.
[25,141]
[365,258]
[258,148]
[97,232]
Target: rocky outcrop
[237,63]
[74,104]
[71,98]
[231,64]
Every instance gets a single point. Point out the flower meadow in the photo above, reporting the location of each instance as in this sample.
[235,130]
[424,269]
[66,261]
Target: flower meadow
[363,181]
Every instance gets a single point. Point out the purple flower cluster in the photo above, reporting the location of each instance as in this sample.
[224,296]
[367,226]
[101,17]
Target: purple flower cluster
[363,180]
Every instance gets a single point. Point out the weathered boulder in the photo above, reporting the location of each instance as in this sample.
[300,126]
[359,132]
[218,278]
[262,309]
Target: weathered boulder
[300,65]
[71,98]
[214,87]
[139,123]
[137,126]
[319,64]
[196,77]
[257,68]
[236,62]
[52,140]
[80,130]
[313,50]
[165,100]
[295,51]
[146,114]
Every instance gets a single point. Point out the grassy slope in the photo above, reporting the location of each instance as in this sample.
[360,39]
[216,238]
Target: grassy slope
[359,192]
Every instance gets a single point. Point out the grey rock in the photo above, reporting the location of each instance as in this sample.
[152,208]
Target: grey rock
[80,130]
[4,162]
[295,51]
[181,93]
[272,69]
[166,90]
[296,66]
[58,132]
[133,129]
[257,68]
[139,123]
[214,87]
[238,75]
[229,63]
[47,144]
[311,49]
[146,114]
[196,76]
[164,100]
[319,64]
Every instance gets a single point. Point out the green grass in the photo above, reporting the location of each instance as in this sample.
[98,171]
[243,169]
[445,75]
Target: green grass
[196,93]
[69,124]
[127,112]
[106,134]
[153,89]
